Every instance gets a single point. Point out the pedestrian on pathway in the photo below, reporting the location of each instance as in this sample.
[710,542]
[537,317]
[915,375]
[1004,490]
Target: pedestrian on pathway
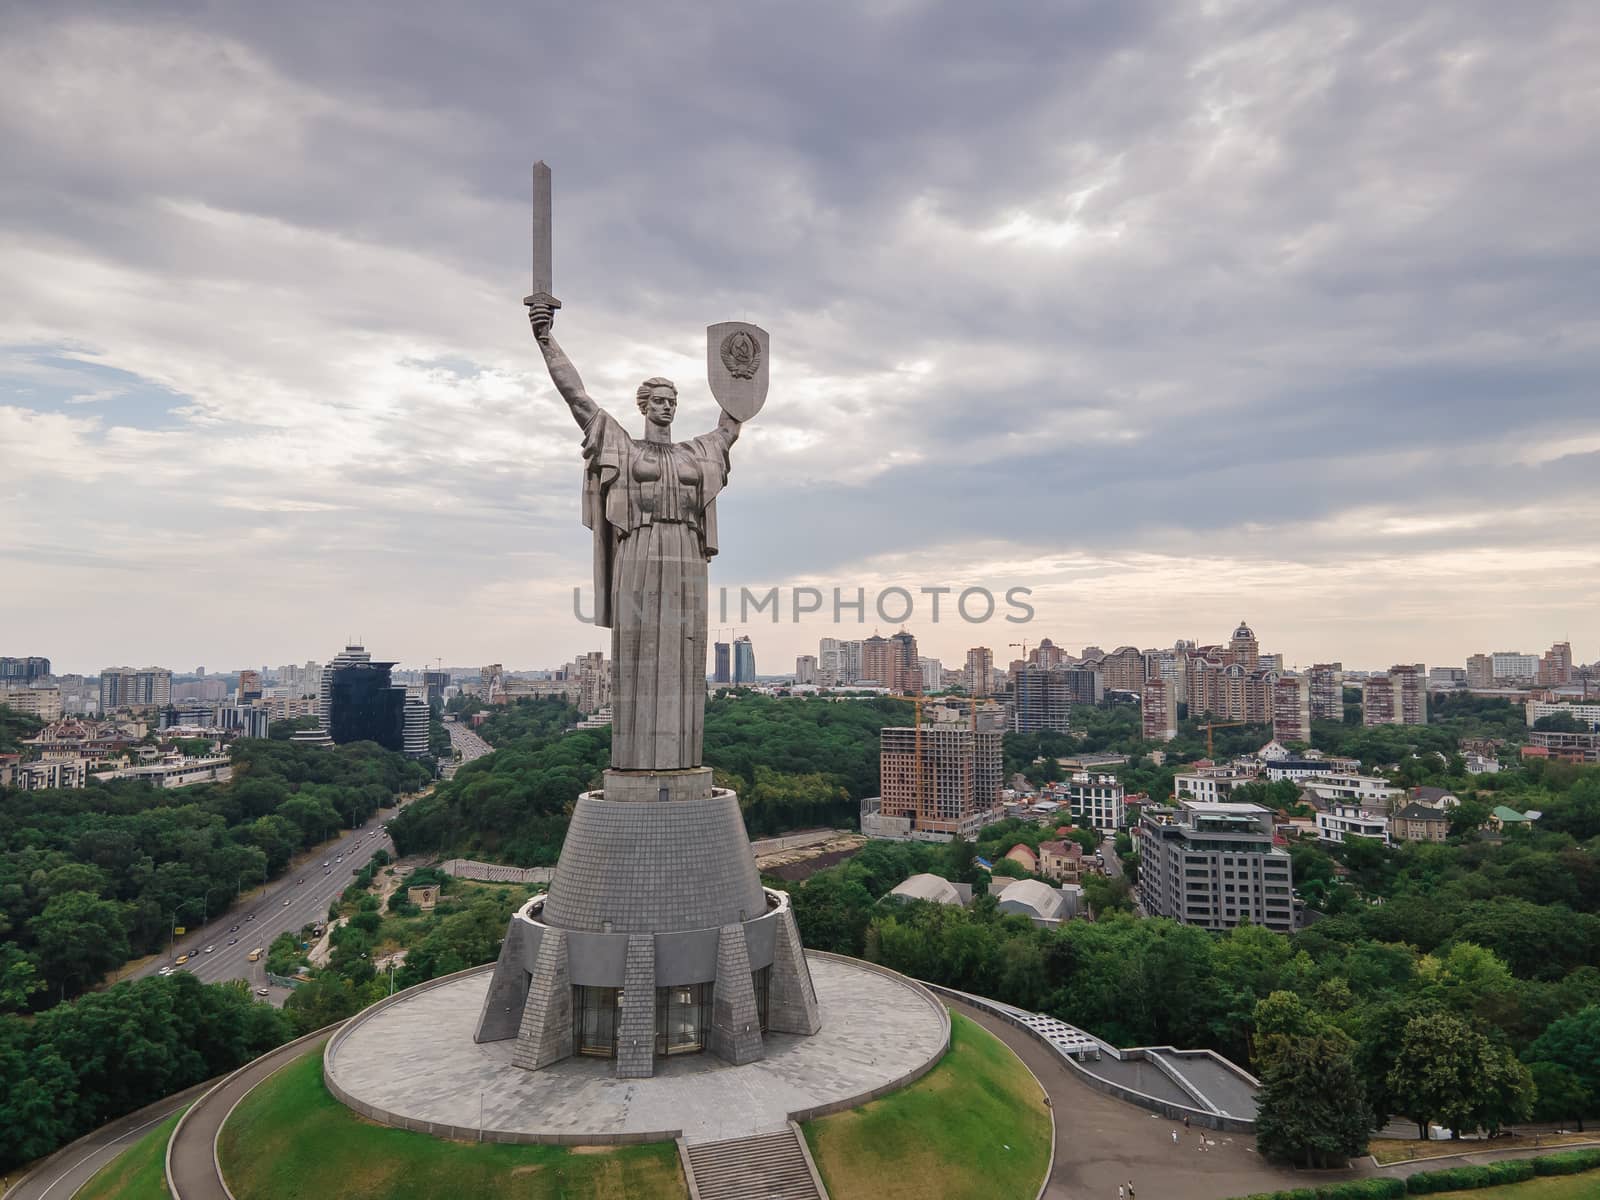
[1186,1122]
[1174,1137]
[1130,1189]
[1122,1192]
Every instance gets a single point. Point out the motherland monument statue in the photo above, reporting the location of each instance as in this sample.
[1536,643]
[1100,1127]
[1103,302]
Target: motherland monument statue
[656,937]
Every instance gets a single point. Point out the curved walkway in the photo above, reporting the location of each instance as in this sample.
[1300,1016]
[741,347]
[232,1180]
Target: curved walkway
[1102,1142]
[192,1171]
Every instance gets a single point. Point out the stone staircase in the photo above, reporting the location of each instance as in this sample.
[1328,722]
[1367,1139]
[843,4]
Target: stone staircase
[768,1166]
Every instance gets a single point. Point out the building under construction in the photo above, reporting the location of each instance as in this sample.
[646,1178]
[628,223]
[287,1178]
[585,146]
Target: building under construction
[942,776]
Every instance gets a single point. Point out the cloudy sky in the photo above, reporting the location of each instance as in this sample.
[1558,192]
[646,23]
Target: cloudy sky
[1174,313]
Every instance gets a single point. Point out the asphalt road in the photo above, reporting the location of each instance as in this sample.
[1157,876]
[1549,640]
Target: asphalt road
[467,742]
[60,1176]
[191,1162]
[301,897]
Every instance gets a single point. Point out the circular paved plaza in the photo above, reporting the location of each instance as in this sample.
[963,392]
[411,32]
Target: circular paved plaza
[414,1062]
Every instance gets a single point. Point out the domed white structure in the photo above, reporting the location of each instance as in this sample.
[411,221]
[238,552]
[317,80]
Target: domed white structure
[927,886]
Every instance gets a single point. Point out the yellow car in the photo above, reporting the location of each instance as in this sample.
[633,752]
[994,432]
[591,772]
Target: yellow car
[182,958]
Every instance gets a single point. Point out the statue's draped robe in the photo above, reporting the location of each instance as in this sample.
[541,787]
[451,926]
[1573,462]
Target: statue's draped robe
[654,515]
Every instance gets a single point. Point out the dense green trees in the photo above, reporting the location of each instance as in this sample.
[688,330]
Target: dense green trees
[796,763]
[91,875]
[81,1064]
[15,726]
[1312,1108]
[1445,1071]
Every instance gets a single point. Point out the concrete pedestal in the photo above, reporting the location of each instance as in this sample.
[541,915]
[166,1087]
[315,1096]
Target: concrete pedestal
[656,888]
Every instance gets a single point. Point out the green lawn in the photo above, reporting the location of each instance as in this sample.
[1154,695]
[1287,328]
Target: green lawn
[973,1128]
[139,1172]
[290,1138]
[1550,1187]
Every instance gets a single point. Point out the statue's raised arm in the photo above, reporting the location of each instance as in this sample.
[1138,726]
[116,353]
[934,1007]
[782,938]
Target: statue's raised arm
[562,373]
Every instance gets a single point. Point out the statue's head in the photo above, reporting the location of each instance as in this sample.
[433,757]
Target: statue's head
[658,400]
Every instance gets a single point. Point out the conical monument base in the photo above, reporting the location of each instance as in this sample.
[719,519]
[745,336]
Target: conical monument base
[656,937]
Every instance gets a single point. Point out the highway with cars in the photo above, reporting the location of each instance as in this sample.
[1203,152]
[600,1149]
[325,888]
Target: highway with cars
[221,950]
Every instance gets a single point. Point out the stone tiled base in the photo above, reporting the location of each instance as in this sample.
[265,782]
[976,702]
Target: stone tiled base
[415,1062]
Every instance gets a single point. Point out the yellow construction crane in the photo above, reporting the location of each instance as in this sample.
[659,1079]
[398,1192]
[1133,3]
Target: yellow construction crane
[1218,725]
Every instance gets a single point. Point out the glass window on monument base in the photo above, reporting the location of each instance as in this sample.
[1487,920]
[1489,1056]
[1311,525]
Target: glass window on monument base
[761,980]
[683,1014]
[596,1014]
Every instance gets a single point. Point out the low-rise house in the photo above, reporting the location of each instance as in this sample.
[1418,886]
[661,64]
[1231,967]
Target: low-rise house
[1353,789]
[1504,817]
[1061,861]
[1024,858]
[1435,797]
[1418,822]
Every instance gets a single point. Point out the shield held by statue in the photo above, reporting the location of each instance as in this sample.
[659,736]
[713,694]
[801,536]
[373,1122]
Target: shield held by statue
[737,357]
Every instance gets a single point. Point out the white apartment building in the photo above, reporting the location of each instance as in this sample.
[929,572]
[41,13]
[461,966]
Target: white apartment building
[1211,784]
[1353,789]
[1587,715]
[1347,821]
[1509,665]
[1096,801]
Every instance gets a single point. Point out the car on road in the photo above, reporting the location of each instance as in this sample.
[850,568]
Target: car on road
[233,941]
[249,916]
[339,859]
[235,929]
[211,949]
[164,971]
[262,992]
[324,862]
[182,958]
[286,904]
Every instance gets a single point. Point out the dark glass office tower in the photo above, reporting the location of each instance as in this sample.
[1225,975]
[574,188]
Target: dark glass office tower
[365,707]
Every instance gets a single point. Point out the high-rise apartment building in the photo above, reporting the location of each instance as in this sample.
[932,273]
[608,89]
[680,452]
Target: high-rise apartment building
[805,669]
[24,670]
[1214,865]
[1169,665]
[892,662]
[1411,692]
[1244,647]
[945,776]
[126,687]
[1047,655]
[1397,698]
[594,682]
[1555,668]
[1123,669]
[1291,709]
[416,718]
[1480,672]
[1378,702]
[723,671]
[1326,684]
[1159,711]
[930,675]
[980,670]
[744,660]
[433,685]
[1044,699]
[249,686]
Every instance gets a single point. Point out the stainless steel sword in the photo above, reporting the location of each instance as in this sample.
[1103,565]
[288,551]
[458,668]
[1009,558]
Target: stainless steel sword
[541,239]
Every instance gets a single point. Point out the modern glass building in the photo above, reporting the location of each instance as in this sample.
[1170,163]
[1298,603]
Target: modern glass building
[744,661]
[364,706]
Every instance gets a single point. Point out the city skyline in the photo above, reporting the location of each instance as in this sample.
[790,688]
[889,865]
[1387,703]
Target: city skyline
[1243,342]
